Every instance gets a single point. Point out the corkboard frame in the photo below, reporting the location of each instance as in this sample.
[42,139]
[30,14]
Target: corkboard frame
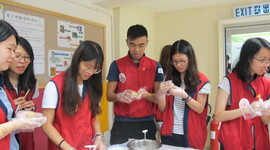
[93,31]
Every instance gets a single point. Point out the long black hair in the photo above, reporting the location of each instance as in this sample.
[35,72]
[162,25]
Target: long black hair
[191,78]
[6,30]
[87,51]
[27,80]
[248,51]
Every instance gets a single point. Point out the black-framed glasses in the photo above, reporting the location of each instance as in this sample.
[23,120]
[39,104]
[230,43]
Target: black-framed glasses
[19,58]
[263,61]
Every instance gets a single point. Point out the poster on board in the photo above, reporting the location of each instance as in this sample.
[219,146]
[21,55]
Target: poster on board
[31,28]
[70,35]
[58,61]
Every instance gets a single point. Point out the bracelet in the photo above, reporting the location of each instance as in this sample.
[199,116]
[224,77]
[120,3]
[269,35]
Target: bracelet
[187,99]
[60,143]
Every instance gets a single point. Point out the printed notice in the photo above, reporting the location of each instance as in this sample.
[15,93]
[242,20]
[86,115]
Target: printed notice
[70,35]
[58,61]
[32,29]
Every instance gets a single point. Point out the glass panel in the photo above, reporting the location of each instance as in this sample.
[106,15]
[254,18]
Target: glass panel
[236,36]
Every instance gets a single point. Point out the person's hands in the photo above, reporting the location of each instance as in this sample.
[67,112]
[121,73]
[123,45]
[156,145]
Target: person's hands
[33,118]
[249,111]
[126,96]
[24,125]
[100,144]
[256,107]
[164,88]
[28,105]
[178,91]
[19,101]
[266,107]
[142,93]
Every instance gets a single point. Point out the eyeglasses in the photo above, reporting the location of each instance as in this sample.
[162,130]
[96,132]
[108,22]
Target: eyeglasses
[181,62]
[263,61]
[91,69]
[19,58]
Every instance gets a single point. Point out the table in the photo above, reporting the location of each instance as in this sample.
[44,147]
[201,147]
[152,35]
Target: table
[163,147]
[168,147]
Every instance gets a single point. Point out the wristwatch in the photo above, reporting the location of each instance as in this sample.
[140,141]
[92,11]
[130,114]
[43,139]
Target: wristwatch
[97,135]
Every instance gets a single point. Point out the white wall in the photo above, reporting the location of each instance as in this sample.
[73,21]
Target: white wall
[130,15]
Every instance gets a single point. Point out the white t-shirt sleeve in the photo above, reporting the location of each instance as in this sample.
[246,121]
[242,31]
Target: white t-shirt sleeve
[225,85]
[206,89]
[50,97]
[36,94]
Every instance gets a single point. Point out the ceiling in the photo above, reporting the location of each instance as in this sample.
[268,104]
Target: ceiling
[158,6]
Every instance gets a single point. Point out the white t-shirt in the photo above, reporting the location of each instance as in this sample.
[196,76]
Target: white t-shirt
[225,85]
[36,94]
[179,108]
[50,98]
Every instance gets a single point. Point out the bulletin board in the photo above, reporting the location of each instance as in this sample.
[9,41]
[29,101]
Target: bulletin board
[92,31]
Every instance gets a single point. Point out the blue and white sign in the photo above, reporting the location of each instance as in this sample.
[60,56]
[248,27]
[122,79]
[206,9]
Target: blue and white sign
[252,10]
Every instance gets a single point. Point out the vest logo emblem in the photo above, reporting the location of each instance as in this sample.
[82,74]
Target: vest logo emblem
[122,78]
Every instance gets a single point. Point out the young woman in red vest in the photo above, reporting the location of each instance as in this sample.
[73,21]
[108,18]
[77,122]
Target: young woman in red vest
[185,108]
[71,102]
[247,80]
[8,43]
[20,78]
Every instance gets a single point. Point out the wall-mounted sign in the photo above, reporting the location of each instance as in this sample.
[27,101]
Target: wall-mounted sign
[252,10]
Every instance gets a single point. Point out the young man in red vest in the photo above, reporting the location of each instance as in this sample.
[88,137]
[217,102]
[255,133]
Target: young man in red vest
[132,82]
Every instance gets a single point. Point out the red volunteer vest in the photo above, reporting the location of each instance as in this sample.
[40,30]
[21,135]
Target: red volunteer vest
[26,138]
[5,142]
[237,134]
[77,130]
[195,129]
[134,78]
